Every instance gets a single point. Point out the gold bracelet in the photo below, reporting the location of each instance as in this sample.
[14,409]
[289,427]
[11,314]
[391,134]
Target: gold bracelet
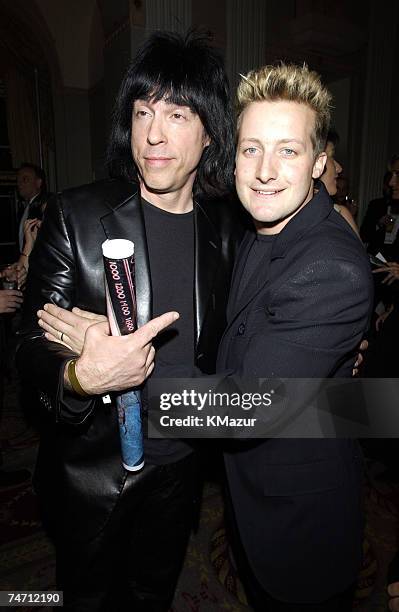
[24,254]
[73,379]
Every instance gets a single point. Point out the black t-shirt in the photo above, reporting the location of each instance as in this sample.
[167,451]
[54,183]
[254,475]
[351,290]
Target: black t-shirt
[170,240]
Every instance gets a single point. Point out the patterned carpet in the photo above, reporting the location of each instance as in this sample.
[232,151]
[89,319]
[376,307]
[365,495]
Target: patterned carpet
[209,582]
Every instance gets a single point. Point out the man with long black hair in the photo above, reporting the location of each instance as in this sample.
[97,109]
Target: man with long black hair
[121,537]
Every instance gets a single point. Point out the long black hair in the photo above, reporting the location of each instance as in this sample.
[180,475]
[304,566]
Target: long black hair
[185,71]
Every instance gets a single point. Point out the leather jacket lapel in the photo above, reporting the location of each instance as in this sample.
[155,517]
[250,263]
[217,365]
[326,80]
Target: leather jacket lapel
[206,260]
[126,221]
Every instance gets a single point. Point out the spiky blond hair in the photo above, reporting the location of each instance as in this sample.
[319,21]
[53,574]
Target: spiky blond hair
[291,83]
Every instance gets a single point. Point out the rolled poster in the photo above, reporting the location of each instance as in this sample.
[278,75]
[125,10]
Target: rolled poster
[118,258]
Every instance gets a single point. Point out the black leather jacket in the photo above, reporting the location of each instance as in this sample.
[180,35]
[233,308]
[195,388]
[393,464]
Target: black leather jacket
[66,268]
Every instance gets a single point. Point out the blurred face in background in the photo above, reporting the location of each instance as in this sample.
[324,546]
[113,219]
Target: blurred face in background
[332,171]
[28,184]
[394,182]
[342,187]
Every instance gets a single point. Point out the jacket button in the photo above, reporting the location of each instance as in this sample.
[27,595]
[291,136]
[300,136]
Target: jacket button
[241,329]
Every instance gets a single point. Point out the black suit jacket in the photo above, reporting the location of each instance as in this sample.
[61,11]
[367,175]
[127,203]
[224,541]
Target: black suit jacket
[67,269]
[297,502]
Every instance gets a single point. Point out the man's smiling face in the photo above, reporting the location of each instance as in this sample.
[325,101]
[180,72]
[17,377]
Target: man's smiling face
[275,162]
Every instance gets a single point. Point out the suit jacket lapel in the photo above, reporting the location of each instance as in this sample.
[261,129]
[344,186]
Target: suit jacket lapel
[206,260]
[316,210]
[235,299]
[126,220]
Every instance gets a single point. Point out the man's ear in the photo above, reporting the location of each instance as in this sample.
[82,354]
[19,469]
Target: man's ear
[318,166]
[206,140]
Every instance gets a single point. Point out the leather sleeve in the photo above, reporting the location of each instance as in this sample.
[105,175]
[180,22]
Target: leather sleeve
[51,279]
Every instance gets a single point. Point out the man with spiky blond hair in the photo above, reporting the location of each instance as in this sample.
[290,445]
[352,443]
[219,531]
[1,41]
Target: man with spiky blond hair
[299,305]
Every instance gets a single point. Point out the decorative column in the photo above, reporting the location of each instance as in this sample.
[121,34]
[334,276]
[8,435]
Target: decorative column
[377,100]
[246,36]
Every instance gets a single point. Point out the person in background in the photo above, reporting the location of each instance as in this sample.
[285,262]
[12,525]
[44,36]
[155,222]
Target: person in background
[10,302]
[18,271]
[330,175]
[31,228]
[391,269]
[343,198]
[380,224]
[384,361]
[32,190]
[342,189]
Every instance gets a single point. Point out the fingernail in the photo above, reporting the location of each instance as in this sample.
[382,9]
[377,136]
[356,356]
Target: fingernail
[45,307]
[39,313]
